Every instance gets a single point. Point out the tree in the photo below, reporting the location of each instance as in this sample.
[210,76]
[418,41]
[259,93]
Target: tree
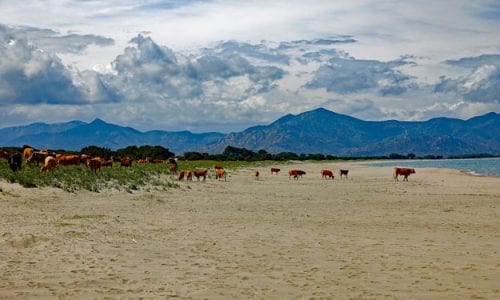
[97,151]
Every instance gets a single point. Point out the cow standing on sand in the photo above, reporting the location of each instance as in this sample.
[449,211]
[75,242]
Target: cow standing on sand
[403,172]
[275,171]
[343,172]
[295,174]
[220,173]
[327,174]
[200,173]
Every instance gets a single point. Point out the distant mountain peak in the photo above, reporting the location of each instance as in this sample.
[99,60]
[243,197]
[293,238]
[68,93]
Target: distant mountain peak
[98,121]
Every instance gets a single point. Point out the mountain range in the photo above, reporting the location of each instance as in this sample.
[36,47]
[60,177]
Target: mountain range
[316,131]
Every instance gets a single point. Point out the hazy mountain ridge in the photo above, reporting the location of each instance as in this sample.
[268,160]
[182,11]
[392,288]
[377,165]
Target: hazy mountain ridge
[316,131]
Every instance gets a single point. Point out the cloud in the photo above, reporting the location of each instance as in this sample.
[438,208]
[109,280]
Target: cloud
[481,84]
[52,41]
[159,72]
[349,75]
[30,75]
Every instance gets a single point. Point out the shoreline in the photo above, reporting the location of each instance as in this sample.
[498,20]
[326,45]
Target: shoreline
[415,164]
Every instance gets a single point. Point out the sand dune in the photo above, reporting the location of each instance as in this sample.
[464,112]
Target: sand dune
[436,236]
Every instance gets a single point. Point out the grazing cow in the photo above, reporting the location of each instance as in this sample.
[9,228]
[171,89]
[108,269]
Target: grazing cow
[49,164]
[106,163]
[257,174]
[68,159]
[295,173]
[15,161]
[38,157]
[84,158]
[403,172]
[327,174]
[27,151]
[200,173]
[343,172]
[4,154]
[126,162]
[189,175]
[275,170]
[220,173]
[218,167]
[95,165]
[181,176]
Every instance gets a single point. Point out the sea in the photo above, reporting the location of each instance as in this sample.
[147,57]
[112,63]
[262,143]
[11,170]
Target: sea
[479,166]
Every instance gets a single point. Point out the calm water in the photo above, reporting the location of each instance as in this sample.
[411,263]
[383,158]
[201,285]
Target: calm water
[483,166]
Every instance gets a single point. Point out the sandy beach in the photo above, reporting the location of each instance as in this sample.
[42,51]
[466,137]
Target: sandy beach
[434,237]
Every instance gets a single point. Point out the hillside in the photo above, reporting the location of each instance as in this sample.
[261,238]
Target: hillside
[316,131]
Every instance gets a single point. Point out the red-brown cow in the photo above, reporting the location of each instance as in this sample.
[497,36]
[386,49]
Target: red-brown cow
[4,154]
[200,173]
[95,165]
[38,157]
[172,168]
[218,167]
[403,172]
[220,173]
[295,174]
[50,164]
[181,176]
[126,162]
[275,170]
[27,151]
[68,159]
[189,175]
[106,163]
[327,174]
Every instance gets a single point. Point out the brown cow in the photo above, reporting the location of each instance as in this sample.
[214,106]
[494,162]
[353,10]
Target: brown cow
[275,170]
[257,174]
[172,168]
[27,151]
[295,173]
[94,164]
[37,157]
[343,172]
[218,167]
[49,164]
[189,175]
[220,173]
[327,174]
[403,172]
[4,154]
[181,176]
[126,162]
[68,159]
[106,163]
[200,173]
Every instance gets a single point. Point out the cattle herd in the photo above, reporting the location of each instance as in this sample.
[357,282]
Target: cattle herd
[50,160]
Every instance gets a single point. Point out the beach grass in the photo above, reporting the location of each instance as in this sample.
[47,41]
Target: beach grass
[138,177]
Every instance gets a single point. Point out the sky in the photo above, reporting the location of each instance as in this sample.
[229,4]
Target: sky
[227,65]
